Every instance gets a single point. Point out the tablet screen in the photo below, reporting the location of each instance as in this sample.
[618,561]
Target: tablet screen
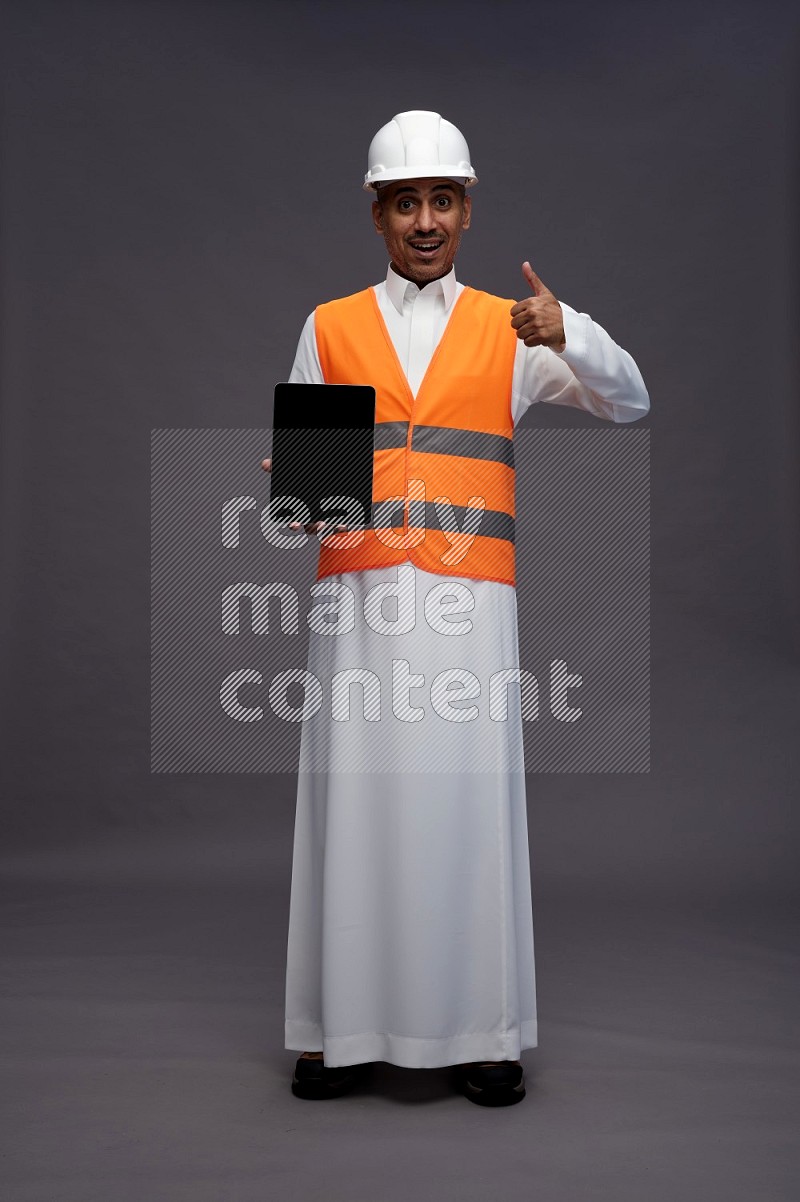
[322,451]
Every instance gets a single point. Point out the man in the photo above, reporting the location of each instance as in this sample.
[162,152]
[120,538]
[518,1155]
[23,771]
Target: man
[410,928]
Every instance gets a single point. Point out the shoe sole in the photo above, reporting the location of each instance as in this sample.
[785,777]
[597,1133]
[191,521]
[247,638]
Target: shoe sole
[493,1095]
[314,1090]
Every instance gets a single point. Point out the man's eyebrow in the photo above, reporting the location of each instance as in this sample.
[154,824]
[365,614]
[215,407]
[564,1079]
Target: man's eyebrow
[436,188]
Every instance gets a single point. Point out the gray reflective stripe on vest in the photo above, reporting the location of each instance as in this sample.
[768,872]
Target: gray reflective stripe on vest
[471,444]
[443,440]
[390,435]
[491,523]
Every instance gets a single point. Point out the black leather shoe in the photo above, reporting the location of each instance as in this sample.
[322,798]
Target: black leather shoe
[499,1083]
[314,1080]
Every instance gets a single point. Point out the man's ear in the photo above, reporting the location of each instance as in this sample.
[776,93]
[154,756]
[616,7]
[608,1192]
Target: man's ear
[377,216]
[467,213]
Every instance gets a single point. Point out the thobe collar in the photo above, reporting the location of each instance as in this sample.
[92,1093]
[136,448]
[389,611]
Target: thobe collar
[398,288]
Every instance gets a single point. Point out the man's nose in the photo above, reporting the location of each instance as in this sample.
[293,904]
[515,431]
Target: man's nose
[426,218]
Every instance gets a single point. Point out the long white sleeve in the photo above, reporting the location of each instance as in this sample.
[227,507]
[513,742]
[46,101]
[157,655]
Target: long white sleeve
[306,368]
[591,373]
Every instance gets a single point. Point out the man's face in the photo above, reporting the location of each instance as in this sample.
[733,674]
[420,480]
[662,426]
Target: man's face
[421,222]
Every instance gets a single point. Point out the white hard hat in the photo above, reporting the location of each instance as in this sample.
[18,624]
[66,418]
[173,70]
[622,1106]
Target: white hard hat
[418,145]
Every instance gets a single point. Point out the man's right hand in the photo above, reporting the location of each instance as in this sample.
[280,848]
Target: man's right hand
[312,527]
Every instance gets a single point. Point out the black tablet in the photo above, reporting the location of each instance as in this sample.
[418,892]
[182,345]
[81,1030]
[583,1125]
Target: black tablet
[322,452]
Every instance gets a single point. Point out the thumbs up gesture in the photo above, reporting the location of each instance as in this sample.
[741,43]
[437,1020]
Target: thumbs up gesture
[538,319]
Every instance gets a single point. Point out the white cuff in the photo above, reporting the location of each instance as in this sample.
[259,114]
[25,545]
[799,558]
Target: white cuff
[575,333]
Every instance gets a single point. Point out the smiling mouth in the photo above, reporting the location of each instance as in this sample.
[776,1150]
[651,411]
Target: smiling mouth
[427,248]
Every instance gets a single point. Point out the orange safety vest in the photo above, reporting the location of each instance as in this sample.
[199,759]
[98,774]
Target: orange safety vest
[444,458]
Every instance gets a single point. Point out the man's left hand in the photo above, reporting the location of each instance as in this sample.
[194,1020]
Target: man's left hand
[538,320]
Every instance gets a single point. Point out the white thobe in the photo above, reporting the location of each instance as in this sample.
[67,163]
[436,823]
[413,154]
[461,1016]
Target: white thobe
[410,923]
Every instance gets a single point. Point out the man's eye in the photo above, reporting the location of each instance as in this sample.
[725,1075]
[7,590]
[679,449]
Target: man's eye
[445,201]
[405,205]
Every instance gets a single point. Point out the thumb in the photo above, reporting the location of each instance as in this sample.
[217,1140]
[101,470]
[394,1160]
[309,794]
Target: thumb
[536,285]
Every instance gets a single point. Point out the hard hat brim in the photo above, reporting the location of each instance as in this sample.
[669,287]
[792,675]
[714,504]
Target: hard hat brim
[443,170]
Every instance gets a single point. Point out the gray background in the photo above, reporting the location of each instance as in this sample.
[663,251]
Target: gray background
[180,187]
